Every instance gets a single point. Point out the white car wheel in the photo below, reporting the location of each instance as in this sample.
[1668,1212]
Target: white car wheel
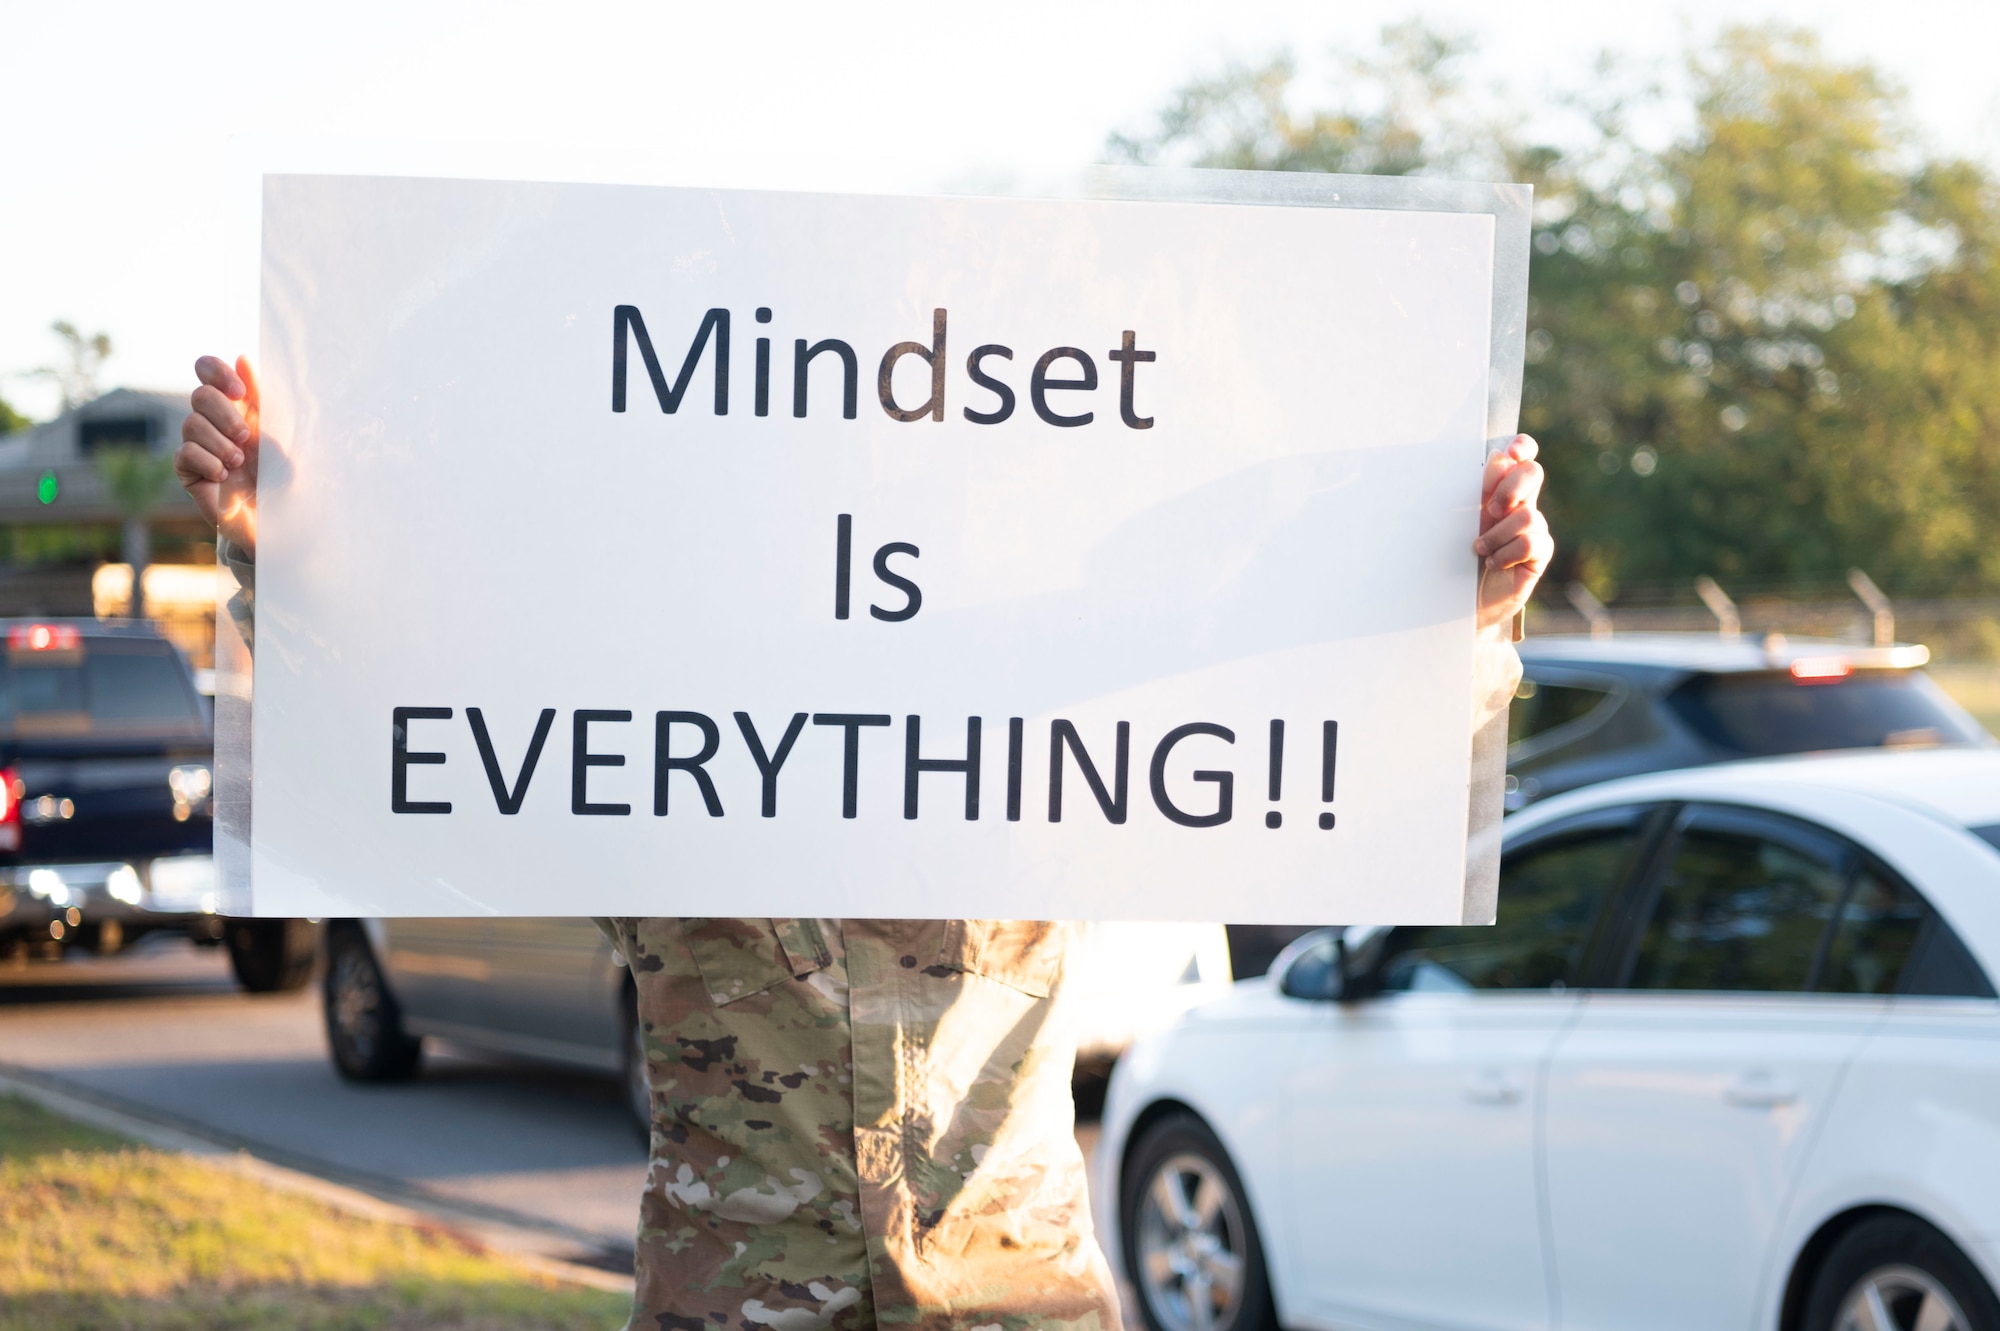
[1191,1247]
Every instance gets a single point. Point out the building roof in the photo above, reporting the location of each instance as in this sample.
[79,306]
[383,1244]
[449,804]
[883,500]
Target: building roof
[65,448]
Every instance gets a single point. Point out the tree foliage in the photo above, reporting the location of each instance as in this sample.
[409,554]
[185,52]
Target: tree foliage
[10,419]
[1761,346]
[136,477]
[83,357]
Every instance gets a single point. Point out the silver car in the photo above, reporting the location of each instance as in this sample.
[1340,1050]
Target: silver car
[551,989]
[554,989]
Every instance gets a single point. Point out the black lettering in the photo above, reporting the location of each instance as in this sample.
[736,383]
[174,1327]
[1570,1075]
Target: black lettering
[850,758]
[909,589]
[626,317]
[401,760]
[802,357]
[1014,746]
[1040,385]
[1225,781]
[581,760]
[763,406]
[932,355]
[915,765]
[665,764]
[767,767]
[843,562]
[1113,804]
[509,800]
[990,384]
[1129,360]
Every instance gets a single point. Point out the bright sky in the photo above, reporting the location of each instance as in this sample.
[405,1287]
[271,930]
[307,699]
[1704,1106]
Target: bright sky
[115,117]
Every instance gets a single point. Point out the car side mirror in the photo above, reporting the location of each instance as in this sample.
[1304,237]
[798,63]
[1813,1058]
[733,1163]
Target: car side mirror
[1334,965]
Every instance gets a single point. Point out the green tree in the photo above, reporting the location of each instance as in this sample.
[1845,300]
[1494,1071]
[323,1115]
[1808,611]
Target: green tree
[10,419]
[83,357]
[1764,349]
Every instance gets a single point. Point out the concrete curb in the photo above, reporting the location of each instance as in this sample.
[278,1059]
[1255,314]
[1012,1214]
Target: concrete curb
[548,1251]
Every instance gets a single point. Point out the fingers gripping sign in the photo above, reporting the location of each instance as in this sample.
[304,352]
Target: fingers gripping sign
[217,460]
[1514,540]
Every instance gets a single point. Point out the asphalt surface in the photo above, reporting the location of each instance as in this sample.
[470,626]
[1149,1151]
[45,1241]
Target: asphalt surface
[163,1032]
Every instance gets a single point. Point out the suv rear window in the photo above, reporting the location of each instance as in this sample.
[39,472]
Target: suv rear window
[106,687]
[1766,712]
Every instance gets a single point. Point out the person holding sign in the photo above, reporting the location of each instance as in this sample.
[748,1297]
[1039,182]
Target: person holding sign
[864,1122]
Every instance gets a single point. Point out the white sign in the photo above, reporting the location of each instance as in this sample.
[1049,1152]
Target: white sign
[637,550]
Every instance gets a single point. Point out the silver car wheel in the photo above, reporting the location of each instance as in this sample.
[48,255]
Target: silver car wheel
[1191,1245]
[1899,1298]
[357,1001]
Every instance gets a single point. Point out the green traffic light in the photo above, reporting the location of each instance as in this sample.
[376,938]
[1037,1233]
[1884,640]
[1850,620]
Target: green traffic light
[45,489]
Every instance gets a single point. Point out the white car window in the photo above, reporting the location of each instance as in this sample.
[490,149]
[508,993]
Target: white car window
[1550,893]
[1879,924]
[1890,941]
[1738,911]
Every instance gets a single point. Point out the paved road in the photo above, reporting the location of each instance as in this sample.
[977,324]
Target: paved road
[163,1031]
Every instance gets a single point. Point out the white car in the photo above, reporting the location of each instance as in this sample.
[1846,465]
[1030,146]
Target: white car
[1730,1060]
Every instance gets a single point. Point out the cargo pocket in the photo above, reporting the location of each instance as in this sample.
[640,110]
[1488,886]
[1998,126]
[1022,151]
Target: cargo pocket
[1022,954]
[741,957]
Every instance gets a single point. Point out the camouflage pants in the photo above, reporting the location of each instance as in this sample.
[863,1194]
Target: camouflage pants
[857,1124]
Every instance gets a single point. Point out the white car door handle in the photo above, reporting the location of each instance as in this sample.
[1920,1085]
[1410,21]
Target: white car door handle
[1493,1087]
[1758,1090]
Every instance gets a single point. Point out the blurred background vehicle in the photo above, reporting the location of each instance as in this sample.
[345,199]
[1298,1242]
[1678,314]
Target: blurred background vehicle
[107,759]
[105,777]
[1591,709]
[1596,707]
[554,990]
[1730,1058]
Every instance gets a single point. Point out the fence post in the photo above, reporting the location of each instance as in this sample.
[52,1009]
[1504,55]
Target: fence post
[1591,609]
[1728,622]
[1872,597]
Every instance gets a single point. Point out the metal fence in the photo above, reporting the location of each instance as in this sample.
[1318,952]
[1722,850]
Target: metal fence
[1957,630]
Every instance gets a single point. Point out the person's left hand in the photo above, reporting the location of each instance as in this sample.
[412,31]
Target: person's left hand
[1514,538]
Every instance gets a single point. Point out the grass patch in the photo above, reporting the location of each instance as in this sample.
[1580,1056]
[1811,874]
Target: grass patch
[98,1234]
[27,1130]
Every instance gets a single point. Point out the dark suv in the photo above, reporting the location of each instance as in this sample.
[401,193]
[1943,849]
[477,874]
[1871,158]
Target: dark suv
[1590,709]
[106,774]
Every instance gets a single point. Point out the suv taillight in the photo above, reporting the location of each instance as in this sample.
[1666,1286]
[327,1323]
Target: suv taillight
[11,790]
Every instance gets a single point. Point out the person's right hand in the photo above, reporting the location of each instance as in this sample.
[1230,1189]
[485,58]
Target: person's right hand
[217,459]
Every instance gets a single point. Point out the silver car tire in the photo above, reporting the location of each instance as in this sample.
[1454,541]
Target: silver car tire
[1893,1272]
[364,1023]
[1192,1250]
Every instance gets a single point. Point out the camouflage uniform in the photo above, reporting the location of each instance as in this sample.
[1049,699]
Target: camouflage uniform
[860,1123]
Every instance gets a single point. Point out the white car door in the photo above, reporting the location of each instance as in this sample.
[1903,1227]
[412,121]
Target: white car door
[1412,1178]
[1917,1120]
[1682,1101]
